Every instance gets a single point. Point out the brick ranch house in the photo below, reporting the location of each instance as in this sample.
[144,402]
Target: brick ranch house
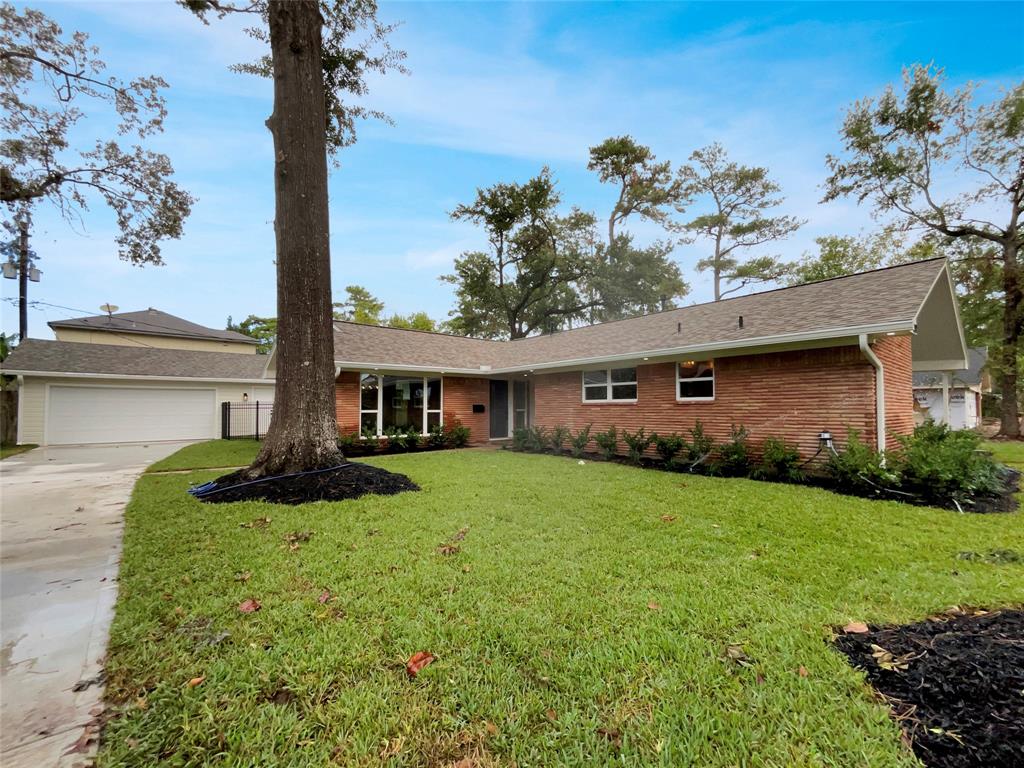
[785,363]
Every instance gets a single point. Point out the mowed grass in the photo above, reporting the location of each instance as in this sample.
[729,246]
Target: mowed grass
[1007,451]
[215,453]
[575,627]
[7,449]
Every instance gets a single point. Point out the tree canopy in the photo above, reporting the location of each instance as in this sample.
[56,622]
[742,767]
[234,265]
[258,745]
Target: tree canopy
[49,83]
[738,200]
[933,160]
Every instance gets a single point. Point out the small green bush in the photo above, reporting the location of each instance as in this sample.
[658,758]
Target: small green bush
[699,451]
[578,442]
[557,438]
[637,444]
[436,436]
[370,440]
[939,464]
[779,462]
[397,440]
[859,468]
[412,438]
[348,441]
[734,456]
[521,438]
[457,434]
[669,446]
[608,442]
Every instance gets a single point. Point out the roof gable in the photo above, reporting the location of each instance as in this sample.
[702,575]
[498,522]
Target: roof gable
[151,322]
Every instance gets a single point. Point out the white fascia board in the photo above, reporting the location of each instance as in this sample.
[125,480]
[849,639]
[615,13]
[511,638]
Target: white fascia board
[133,377]
[896,326]
[939,365]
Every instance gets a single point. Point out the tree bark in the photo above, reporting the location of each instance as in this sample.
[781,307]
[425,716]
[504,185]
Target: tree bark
[303,430]
[1013,324]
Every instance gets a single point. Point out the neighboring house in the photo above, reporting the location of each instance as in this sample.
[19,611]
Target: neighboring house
[953,397]
[787,363]
[151,328]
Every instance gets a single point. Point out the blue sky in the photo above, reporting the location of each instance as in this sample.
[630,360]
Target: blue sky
[496,91]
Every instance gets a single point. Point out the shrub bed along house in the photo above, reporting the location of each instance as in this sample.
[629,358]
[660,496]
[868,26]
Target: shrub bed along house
[455,435]
[934,466]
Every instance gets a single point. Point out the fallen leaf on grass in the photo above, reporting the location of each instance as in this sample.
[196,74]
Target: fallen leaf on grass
[855,628]
[259,522]
[196,681]
[295,538]
[243,576]
[613,735]
[654,606]
[449,549]
[465,569]
[802,671]
[492,729]
[668,518]
[324,596]
[249,606]
[417,662]
[460,534]
[551,715]
[734,652]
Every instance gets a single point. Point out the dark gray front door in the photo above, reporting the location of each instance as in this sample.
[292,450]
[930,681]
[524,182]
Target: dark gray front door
[499,408]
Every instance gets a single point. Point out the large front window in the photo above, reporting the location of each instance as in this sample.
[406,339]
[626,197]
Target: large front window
[610,384]
[398,402]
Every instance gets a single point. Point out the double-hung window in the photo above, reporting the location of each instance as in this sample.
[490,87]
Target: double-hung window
[398,402]
[610,385]
[695,380]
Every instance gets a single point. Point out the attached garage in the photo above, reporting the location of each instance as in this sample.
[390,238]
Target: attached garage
[98,414]
[73,393]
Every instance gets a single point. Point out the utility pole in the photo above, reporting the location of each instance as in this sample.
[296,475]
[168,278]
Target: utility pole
[23,280]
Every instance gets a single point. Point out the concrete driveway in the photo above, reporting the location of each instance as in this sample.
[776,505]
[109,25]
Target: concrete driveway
[60,545]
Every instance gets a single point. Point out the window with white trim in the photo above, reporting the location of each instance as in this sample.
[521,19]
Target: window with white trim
[610,384]
[398,402]
[695,380]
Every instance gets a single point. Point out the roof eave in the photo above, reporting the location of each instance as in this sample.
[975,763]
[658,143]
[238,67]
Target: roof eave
[134,376]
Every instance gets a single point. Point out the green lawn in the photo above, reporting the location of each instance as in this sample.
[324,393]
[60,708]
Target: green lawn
[7,449]
[575,626]
[1008,452]
[215,453]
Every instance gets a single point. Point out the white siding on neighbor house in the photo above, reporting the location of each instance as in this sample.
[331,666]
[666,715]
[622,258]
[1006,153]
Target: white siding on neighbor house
[33,398]
[129,339]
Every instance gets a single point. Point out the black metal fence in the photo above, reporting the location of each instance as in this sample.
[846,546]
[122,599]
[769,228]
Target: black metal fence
[249,420]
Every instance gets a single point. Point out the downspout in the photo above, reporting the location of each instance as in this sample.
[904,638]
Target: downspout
[879,390]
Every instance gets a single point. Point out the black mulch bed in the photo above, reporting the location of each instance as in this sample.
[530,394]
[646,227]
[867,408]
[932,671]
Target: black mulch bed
[347,481]
[954,682]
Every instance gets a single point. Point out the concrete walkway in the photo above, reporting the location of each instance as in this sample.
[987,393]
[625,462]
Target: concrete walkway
[61,518]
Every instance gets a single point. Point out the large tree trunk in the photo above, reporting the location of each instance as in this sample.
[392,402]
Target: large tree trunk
[1013,324]
[303,431]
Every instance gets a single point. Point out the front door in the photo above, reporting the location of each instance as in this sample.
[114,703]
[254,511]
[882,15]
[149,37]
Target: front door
[499,409]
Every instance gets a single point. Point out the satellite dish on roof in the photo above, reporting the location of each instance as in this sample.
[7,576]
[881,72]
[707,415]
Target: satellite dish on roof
[109,308]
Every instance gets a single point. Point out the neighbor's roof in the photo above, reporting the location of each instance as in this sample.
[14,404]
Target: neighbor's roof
[869,302]
[977,357]
[151,322]
[42,356]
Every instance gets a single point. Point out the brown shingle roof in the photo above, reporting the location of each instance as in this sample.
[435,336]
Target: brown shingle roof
[45,356]
[151,322]
[869,300]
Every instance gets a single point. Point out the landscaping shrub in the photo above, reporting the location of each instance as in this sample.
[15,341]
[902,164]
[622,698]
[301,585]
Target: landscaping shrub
[521,438]
[734,456]
[397,440]
[939,464]
[858,468]
[700,449]
[668,447]
[558,437]
[370,440]
[347,442]
[412,438]
[436,436]
[578,442]
[457,434]
[779,462]
[637,443]
[608,442]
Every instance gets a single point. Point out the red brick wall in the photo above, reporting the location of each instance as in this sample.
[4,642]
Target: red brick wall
[895,354]
[792,395]
[459,396]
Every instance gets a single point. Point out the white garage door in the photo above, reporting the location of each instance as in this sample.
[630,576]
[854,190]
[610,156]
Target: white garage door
[128,415]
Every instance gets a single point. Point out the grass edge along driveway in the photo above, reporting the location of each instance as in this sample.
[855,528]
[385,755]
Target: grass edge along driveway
[572,624]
